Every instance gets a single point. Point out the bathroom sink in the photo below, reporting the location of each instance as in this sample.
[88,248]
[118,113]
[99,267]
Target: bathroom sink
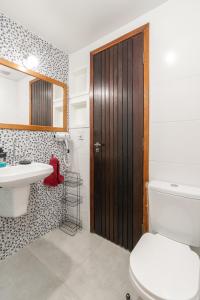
[22,175]
[15,184]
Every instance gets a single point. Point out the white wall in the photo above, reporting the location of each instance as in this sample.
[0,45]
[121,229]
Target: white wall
[8,91]
[23,99]
[79,131]
[80,163]
[14,100]
[174,88]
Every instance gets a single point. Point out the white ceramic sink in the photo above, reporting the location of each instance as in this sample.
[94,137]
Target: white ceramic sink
[21,175]
[15,187]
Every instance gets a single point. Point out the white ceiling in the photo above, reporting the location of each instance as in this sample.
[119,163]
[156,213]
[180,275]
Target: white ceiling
[73,24]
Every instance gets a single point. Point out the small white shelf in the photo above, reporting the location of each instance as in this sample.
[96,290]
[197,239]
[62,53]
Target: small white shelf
[78,95]
[79,112]
[79,82]
[58,99]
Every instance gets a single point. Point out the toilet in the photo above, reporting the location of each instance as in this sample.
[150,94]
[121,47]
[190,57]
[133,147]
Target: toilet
[162,264]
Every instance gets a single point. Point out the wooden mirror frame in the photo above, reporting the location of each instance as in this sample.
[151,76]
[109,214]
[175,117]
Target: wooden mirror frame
[42,77]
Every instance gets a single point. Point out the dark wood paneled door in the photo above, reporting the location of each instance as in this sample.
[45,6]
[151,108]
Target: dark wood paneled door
[41,104]
[118,136]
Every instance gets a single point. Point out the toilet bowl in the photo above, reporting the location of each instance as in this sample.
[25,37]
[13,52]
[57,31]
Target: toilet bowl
[162,269]
[162,264]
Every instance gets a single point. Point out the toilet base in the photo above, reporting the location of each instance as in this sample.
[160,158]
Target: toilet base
[138,290]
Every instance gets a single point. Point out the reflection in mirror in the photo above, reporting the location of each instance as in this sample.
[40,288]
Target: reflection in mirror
[28,100]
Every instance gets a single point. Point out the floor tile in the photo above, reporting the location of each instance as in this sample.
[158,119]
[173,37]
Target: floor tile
[57,261]
[23,277]
[62,254]
[104,273]
[61,267]
[63,293]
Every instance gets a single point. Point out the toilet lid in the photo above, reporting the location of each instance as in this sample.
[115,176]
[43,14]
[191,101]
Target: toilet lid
[165,269]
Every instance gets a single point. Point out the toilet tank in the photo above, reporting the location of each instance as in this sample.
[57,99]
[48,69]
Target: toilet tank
[174,212]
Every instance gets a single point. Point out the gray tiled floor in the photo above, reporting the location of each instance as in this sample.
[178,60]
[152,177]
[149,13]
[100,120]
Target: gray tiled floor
[60,267]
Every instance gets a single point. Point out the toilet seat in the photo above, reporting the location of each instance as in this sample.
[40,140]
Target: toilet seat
[163,269]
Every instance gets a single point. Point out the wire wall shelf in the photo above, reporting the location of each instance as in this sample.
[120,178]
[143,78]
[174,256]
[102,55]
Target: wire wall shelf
[71,201]
[71,226]
[72,181]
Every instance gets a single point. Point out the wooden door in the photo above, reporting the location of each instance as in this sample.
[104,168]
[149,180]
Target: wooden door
[41,104]
[117,141]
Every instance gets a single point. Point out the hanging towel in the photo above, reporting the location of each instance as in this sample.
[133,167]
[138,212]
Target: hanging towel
[55,178]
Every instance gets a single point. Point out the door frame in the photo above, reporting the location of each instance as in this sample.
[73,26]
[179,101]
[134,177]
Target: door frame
[145,30]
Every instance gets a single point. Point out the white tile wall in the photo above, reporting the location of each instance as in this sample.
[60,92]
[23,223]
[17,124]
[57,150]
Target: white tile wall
[176,100]
[174,172]
[80,133]
[80,163]
[175,93]
[175,142]
[174,88]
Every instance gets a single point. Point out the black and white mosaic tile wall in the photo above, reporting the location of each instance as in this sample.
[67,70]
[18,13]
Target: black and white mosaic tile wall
[45,204]
[17,43]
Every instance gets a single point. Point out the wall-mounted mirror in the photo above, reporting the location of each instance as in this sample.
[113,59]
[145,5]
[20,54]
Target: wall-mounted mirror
[29,100]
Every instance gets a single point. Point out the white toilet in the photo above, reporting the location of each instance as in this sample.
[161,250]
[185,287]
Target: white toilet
[162,264]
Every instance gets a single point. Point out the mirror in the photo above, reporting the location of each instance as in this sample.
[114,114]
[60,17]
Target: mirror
[29,100]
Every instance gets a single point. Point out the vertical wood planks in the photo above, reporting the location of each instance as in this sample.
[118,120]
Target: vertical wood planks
[118,126]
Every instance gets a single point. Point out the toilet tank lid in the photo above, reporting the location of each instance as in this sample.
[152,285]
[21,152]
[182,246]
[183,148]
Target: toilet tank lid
[175,189]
